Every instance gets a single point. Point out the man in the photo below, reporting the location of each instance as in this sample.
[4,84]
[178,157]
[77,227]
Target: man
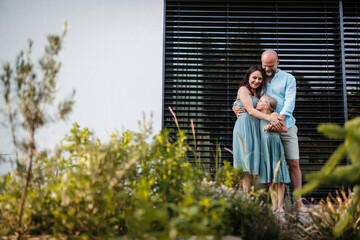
[282,86]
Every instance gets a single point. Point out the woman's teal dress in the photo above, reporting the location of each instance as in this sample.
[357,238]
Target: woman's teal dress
[246,141]
[272,151]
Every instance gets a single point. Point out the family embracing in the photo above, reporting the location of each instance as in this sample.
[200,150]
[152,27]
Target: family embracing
[265,134]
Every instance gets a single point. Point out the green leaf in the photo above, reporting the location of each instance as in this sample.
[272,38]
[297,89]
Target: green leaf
[319,177]
[334,159]
[342,175]
[309,187]
[332,131]
[353,124]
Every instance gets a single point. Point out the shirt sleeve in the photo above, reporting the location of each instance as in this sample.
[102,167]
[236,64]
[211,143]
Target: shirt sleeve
[290,95]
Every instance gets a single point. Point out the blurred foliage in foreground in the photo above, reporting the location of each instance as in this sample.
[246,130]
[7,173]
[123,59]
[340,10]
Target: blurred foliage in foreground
[325,216]
[345,218]
[130,186]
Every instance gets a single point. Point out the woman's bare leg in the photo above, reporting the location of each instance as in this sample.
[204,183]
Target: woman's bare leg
[246,183]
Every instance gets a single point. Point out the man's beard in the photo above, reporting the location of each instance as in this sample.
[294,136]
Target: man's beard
[270,74]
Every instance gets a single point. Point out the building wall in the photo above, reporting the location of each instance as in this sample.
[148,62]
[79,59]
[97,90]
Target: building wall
[112,56]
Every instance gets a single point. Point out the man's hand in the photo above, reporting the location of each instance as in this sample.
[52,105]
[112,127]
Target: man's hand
[238,110]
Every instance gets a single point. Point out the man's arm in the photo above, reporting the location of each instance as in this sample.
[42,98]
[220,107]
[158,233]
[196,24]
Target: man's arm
[290,96]
[289,105]
[237,110]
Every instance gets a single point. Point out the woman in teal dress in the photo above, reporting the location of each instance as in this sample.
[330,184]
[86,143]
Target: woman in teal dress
[246,134]
[273,169]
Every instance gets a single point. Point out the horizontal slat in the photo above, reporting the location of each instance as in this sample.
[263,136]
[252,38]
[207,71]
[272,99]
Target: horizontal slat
[352,56]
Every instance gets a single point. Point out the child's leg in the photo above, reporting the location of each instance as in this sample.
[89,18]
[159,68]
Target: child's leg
[246,183]
[273,196]
[281,192]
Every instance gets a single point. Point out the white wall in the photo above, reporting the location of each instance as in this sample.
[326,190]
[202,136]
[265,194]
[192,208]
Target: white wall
[112,56]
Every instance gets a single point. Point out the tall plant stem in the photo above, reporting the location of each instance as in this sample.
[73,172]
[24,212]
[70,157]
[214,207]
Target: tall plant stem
[12,124]
[28,177]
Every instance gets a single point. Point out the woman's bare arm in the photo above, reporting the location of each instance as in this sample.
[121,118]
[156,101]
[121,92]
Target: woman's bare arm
[245,98]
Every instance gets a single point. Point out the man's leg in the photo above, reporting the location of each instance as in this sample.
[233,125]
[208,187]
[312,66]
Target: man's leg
[295,173]
[296,181]
[291,147]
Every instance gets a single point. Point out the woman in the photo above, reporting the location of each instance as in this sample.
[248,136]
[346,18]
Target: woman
[273,169]
[246,134]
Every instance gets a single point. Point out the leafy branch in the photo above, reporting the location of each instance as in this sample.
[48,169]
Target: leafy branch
[332,174]
[28,94]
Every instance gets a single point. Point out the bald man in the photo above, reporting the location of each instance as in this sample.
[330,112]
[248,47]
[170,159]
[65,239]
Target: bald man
[282,86]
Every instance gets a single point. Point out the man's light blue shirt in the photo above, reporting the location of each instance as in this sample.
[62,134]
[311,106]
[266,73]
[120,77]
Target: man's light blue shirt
[283,89]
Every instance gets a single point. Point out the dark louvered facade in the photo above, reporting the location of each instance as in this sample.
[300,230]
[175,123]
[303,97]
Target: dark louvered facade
[208,46]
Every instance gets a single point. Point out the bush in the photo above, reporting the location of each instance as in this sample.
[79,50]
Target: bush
[348,175]
[130,186]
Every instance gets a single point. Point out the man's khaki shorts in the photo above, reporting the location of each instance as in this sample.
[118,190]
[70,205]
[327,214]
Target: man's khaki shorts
[291,143]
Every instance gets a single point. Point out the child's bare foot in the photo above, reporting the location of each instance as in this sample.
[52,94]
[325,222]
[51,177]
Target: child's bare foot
[273,208]
[280,210]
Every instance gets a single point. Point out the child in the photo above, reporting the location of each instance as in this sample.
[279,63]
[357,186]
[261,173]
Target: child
[273,169]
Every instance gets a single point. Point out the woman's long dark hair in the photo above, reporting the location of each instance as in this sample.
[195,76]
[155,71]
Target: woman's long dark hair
[245,82]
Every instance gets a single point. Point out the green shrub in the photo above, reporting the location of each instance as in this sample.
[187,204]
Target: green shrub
[130,186]
[229,176]
[348,175]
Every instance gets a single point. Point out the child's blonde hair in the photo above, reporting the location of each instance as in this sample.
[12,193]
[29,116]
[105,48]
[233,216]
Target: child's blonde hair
[270,102]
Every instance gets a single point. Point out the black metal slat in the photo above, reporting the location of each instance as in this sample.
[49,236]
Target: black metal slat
[352,56]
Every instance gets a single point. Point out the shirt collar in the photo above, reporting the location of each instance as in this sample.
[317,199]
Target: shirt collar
[276,74]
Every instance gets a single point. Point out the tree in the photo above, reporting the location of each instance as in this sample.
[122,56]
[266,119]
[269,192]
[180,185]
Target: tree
[29,94]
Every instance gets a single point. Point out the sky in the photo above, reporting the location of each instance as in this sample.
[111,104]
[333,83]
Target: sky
[111,56]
